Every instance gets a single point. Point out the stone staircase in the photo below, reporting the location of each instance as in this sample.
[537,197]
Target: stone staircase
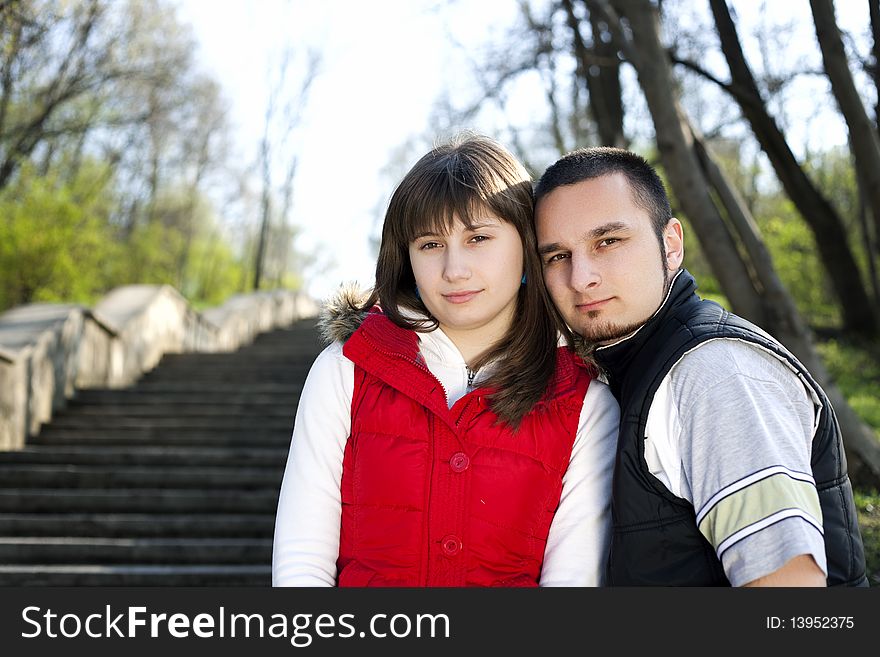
[172,482]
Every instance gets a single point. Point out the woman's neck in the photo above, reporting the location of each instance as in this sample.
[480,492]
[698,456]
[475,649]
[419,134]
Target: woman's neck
[474,343]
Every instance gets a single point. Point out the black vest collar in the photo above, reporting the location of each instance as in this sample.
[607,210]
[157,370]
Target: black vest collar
[615,359]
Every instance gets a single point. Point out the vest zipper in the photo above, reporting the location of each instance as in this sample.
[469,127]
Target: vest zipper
[470,376]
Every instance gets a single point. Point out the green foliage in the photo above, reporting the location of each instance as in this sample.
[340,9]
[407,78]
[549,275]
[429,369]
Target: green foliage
[120,81]
[796,260]
[868,508]
[857,374]
[54,237]
[834,174]
[152,254]
[58,243]
[214,273]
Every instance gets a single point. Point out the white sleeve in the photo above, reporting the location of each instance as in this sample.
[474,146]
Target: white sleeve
[577,547]
[307,521]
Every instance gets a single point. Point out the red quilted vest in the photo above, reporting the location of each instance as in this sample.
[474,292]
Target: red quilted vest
[433,496]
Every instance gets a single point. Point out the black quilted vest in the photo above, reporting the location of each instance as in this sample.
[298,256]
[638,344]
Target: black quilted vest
[655,539]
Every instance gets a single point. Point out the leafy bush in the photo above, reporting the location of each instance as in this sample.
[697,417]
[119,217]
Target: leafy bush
[868,505]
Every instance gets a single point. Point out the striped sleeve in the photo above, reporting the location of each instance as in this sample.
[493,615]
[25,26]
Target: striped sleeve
[746,429]
[756,502]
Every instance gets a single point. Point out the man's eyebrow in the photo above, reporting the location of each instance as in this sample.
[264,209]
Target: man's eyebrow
[596,233]
[544,249]
[604,229]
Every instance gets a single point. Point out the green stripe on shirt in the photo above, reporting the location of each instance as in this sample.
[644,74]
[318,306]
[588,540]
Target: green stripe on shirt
[756,502]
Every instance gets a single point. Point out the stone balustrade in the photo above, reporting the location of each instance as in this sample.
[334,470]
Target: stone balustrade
[47,351]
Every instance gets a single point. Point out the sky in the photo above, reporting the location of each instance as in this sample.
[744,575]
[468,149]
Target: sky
[384,64]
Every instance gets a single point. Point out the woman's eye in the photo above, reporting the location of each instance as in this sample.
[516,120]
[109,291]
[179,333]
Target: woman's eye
[429,245]
[479,238]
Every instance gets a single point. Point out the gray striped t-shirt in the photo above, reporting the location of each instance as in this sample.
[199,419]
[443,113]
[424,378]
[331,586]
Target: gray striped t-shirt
[730,429]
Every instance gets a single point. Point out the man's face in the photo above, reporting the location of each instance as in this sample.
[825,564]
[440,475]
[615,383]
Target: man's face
[603,265]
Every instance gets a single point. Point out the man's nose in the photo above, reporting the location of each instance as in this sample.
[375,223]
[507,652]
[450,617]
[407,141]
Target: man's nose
[584,273]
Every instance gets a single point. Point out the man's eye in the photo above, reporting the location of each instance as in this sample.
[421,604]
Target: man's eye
[556,257]
[608,241]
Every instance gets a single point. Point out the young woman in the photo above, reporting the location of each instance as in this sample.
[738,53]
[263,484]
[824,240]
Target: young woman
[443,439]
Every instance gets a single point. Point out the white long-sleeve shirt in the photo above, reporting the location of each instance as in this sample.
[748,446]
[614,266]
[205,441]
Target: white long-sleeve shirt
[307,523]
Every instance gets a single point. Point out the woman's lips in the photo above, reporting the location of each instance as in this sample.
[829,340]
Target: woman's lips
[461,297]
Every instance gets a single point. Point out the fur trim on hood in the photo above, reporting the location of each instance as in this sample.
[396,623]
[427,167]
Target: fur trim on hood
[341,314]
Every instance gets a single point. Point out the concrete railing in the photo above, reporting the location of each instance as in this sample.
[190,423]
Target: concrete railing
[47,351]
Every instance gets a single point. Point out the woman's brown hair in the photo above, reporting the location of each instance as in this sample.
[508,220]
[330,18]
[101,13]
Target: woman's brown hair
[459,180]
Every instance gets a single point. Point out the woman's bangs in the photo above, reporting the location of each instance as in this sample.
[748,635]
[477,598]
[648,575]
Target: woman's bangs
[435,211]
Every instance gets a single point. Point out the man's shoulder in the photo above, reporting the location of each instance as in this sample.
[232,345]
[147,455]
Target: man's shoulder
[731,352]
[717,372]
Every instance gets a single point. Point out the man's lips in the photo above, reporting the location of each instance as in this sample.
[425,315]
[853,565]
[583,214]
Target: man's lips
[462,296]
[592,305]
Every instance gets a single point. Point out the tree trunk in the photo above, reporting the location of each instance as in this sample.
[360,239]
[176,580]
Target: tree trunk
[872,242]
[685,172]
[863,138]
[859,313]
[599,69]
[874,7]
[861,445]
[691,190]
[608,80]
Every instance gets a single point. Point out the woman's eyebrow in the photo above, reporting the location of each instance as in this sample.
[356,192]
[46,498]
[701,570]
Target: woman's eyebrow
[484,223]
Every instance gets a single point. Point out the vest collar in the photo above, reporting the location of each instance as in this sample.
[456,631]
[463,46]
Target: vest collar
[615,358]
[392,342]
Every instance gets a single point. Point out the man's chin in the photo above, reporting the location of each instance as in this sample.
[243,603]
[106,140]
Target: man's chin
[605,333]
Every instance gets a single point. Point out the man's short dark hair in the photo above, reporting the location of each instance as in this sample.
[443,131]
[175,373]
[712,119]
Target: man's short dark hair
[588,163]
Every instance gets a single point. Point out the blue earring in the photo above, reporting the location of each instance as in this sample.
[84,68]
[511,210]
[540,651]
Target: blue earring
[418,296]
[523,281]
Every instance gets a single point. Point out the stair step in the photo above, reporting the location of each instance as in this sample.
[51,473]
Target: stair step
[143,500]
[230,376]
[160,436]
[147,455]
[215,408]
[204,422]
[289,370]
[250,358]
[182,399]
[26,476]
[172,481]
[207,387]
[136,575]
[60,550]
[137,525]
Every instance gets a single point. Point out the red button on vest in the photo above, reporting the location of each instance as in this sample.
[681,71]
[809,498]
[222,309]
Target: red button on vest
[459,462]
[451,545]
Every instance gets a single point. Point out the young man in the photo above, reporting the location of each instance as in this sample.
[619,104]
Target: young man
[730,466]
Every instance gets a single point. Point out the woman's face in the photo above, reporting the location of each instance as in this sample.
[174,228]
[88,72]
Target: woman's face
[469,279]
